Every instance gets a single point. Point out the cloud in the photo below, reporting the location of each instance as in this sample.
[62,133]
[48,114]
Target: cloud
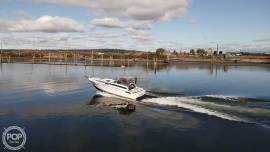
[262,40]
[116,23]
[4,25]
[108,22]
[139,35]
[136,30]
[32,40]
[169,44]
[192,21]
[162,10]
[135,17]
[55,38]
[140,25]
[85,40]
[48,24]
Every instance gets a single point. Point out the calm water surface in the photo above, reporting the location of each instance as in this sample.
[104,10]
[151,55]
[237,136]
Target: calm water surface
[197,108]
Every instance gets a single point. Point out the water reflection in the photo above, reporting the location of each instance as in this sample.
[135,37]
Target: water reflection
[44,98]
[211,69]
[100,101]
[189,79]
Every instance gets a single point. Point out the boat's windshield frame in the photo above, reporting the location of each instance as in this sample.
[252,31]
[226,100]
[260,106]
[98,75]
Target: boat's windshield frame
[126,80]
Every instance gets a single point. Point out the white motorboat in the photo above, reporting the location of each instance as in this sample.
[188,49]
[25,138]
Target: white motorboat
[124,87]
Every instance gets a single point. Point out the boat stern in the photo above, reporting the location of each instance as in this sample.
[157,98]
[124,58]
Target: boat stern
[138,93]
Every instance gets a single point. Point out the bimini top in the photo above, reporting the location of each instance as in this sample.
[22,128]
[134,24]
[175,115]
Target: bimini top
[127,80]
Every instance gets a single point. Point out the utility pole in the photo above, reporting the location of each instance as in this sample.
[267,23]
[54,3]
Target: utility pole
[1,47]
[74,59]
[49,57]
[147,60]
[35,49]
[128,61]
[65,56]
[92,57]
[101,59]
[1,51]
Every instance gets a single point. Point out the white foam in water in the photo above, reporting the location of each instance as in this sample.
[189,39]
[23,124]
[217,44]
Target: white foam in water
[223,97]
[191,104]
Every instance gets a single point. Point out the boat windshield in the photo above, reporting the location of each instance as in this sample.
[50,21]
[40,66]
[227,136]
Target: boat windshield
[127,80]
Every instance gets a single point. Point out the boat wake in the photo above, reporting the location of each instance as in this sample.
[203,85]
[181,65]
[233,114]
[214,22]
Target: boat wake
[218,109]
[229,98]
[225,107]
[191,104]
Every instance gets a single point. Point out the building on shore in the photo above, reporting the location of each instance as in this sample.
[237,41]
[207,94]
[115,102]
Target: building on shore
[209,51]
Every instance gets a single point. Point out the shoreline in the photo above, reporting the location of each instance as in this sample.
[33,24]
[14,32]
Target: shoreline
[144,63]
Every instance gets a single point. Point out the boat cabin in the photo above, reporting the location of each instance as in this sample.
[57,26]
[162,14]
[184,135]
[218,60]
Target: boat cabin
[127,80]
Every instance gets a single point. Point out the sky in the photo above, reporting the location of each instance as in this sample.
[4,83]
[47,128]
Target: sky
[235,25]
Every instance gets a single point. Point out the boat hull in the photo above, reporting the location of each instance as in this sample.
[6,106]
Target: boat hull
[105,87]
